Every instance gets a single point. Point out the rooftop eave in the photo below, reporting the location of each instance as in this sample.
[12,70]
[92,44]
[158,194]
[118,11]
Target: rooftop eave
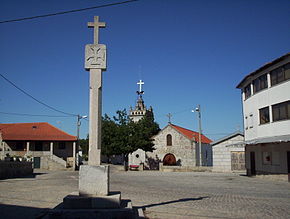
[267,65]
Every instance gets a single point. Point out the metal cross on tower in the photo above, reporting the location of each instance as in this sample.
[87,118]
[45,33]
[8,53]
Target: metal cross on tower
[140,83]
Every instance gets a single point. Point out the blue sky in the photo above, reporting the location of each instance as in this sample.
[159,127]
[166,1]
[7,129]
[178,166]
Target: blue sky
[187,52]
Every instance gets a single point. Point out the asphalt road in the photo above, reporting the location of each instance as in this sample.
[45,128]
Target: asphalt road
[161,195]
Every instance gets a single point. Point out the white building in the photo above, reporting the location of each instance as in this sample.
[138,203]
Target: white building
[229,153]
[266,115]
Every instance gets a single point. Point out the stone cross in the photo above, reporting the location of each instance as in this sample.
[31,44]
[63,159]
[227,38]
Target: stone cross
[140,83]
[95,62]
[96,25]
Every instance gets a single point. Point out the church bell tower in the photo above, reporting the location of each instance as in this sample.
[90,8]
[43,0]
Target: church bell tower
[140,108]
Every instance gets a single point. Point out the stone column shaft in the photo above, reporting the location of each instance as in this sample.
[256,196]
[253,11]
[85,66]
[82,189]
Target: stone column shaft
[51,148]
[27,146]
[2,146]
[74,155]
[95,117]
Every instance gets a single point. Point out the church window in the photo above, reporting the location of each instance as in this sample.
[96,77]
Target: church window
[169,140]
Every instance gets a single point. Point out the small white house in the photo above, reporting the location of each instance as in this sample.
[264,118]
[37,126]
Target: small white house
[229,153]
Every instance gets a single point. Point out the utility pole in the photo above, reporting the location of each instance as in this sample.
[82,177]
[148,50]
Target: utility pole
[78,141]
[197,109]
[199,135]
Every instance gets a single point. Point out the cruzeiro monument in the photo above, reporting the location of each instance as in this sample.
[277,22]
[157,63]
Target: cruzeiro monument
[94,178]
[94,200]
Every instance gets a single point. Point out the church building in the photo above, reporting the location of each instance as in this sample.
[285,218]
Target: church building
[178,146]
[174,145]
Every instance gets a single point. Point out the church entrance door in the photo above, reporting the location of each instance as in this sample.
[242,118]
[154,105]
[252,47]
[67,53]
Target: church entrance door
[169,160]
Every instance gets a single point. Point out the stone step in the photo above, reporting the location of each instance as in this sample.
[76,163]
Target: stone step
[125,212]
[75,201]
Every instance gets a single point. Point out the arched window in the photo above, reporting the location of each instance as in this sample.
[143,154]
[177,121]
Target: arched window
[169,140]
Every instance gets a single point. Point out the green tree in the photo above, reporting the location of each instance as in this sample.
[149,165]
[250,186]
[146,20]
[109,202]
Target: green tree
[84,145]
[109,134]
[123,136]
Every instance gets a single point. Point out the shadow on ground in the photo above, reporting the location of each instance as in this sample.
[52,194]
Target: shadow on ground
[15,211]
[171,202]
[33,175]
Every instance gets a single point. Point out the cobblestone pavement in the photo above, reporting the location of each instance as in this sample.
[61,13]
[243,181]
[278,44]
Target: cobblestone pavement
[204,195]
[162,195]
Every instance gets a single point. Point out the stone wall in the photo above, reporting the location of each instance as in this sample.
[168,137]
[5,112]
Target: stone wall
[184,168]
[9,169]
[63,153]
[182,148]
[47,163]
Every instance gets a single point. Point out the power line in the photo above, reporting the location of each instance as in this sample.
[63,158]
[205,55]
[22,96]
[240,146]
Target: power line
[24,114]
[66,12]
[50,107]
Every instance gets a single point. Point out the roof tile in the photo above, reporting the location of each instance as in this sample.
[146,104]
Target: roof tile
[191,134]
[40,131]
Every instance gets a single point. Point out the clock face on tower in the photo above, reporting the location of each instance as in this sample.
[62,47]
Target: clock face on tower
[95,56]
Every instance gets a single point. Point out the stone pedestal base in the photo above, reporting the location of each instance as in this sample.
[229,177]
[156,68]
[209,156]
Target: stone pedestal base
[74,201]
[125,212]
[93,199]
[93,180]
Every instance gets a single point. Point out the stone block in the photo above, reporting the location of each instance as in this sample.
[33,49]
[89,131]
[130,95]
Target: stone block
[74,201]
[93,180]
[111,201]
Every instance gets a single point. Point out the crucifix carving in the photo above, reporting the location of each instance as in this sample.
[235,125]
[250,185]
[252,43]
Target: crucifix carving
[96,25]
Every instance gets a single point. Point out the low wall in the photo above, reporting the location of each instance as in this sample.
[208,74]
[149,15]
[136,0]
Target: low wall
[275,177]
[183,168]
[9,169]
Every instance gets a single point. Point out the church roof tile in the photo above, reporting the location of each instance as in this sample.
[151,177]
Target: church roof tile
[191,134]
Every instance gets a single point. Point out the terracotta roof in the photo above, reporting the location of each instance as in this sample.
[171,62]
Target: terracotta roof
[40,131]
[191,134]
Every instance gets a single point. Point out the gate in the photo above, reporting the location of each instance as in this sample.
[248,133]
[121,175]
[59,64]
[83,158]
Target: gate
[238,160]
[169,160]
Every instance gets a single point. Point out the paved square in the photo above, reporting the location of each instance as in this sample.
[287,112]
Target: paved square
[164,195]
